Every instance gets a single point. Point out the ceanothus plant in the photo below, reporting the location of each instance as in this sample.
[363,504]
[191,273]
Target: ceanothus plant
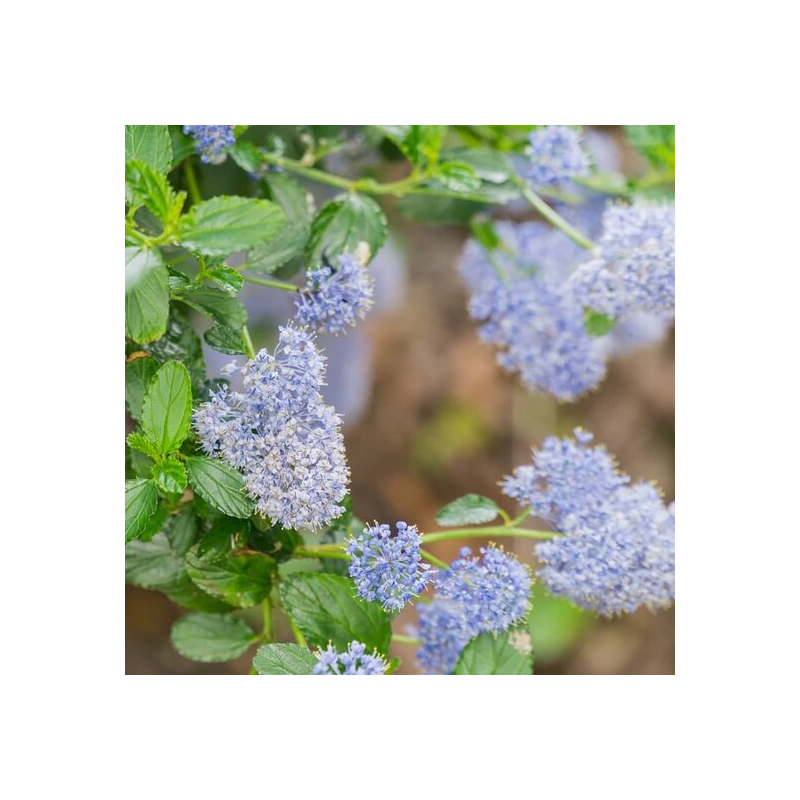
[228,486]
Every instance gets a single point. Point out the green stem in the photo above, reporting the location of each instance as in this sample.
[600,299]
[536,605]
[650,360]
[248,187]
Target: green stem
[248,342]
[298,636]
[492,530]
[317,175]
[398,637]
[516,521]
[266,610]
[550,215]
[505,517]
[191,182]
[437,562]
[286,287]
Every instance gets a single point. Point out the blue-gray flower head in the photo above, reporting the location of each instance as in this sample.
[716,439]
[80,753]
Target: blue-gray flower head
[282,436]
[354,661]
[337,296]
[444,632]
[555,156]
[387,567]
[211,141]
[634,269]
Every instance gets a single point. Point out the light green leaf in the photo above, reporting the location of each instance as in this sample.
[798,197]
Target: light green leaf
[220,486]
[291,197]
[419,143]
[170,475]
[141,498]
[144,185]
[216,305]
[150,144]
[228,279]
[146,295]
[471,509]
[191,597]
[458,176]
[242,581]
[325,609]
[597,324]
[342,224]
[167,408]
[138,374]
[434,210]
[139,442]
[507,653]
[288,244]
[654,142]
[283,659]
[225,339]
[211,637]
[223,225]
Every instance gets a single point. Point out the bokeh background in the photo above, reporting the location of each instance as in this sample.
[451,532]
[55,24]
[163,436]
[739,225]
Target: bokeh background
[429,416]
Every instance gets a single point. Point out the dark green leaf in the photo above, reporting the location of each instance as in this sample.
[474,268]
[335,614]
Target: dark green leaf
[229,279]
[245,154]
[180,343]
[219,542]
[138,374]
[288,244]
[141,498]
[438,210]
[283,659]
[154,524]
[471,509]
[274,540]
[225,339]
[242,581]
[191,597]
[507,653]
[217,305]
[654,142]
[182,531]
[325,609]
[150,144]
[170,475]
[223,225]
[167,408]
[141,464]
[182,144]
[458,176]
[290,196]
[220,486]
[342,224]
[211,637]
[153,564]
[597,324]
[146,295]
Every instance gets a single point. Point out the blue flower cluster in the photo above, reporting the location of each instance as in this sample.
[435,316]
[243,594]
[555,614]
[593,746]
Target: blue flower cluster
[211,141]
[617,548]
[475,595]
[532,302]
[555,156]
[354,661]
[634,270]
[388,568]
[336,297]
[281,435]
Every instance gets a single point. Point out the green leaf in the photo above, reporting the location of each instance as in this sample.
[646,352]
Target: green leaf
[290,196]
[138,374]
[555,625]
[458,176]
[211,637]
[229,279]
[435,210]
[170,475]
[182,531]
[325,609]
[220,486]
[342,224]
[283,659]
[146,186]
[506,653]
[141,498]
[242,581]
[597,324]
[223,225]
[420,144]
[471,509]
[167,409]
[219,542]
[138,441]
[140,463]
[180,343]
[149,144]
[654,142]
[246,155]
[274,540]
[191,597]
[146,295]
[225,339]
[153,564]
[216,305]
[288,244]
[483,230]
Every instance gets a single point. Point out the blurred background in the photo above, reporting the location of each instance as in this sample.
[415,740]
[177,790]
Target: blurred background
[429,416]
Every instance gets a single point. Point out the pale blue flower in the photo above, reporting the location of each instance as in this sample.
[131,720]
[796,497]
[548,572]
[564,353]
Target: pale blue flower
[444,633]
[354,661]
[211,141]
[555,156]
